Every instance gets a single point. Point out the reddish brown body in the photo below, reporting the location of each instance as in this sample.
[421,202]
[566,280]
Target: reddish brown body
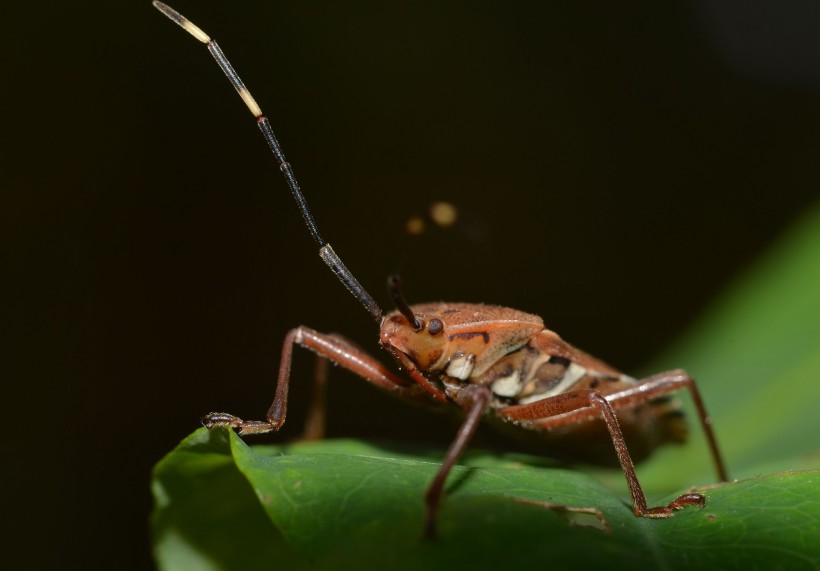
[522,362]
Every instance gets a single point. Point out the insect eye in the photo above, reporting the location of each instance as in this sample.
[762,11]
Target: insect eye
[435,327]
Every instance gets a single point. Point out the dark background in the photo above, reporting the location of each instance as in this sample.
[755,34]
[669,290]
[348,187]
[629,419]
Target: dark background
[615,166]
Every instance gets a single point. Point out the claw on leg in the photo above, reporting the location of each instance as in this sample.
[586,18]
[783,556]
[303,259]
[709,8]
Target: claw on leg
[677,504]
[215,419]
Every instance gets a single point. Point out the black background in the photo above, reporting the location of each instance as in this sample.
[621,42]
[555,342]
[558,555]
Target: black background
[615,166]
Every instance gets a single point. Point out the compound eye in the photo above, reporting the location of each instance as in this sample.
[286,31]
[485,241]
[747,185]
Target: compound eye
[435,327]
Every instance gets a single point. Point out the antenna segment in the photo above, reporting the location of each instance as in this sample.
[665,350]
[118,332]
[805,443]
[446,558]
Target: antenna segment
[325,250]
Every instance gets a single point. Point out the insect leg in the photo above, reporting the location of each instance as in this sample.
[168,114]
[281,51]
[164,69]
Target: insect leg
[646,390]
[475,398]
[639,506]
[331,347]
[586,403]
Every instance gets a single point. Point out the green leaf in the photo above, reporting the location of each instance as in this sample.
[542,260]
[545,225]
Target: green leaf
[206,516]
[340,504]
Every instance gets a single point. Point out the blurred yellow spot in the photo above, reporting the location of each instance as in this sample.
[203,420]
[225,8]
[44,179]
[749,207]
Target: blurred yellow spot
[443,213]
[414,226]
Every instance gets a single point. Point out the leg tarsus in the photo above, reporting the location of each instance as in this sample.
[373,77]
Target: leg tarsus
[677,504]
[243,427]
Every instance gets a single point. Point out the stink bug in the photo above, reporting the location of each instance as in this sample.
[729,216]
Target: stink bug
[491,362]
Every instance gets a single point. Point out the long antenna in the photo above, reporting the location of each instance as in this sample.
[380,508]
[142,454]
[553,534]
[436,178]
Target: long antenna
[325,250]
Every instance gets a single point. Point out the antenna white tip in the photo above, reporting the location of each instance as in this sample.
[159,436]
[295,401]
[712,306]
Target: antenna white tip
[182,21]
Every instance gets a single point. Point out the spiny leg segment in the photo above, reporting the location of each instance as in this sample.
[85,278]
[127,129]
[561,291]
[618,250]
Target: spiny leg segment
[325,250]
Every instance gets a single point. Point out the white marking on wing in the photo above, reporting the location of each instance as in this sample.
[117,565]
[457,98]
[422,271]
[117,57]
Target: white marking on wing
[571,376]
[461,367]
[508,386]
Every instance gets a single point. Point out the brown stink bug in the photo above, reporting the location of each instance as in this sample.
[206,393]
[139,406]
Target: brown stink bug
[489,361]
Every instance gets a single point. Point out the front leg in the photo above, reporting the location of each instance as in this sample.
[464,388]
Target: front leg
[331,347]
